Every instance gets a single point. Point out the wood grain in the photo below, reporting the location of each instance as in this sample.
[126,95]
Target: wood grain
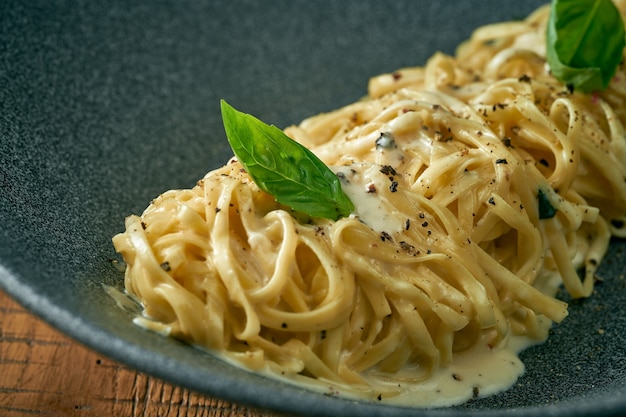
[43,372]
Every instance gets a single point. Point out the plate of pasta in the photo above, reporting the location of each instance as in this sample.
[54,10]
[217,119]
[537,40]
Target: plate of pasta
[327,208]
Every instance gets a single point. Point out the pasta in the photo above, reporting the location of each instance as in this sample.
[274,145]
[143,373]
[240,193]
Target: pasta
[480,183]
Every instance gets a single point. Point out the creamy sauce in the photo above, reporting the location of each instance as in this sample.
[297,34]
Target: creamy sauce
[361,182]
[478,372]
[123,300]
[128,303]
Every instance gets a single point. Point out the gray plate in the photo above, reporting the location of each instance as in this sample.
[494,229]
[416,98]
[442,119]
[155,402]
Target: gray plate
[103,105]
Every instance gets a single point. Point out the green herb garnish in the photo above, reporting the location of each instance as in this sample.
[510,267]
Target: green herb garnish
[584,43]
[282,167]
[546,209]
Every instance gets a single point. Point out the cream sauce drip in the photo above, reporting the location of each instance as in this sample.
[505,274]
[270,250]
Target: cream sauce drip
[361,183]
[480,371]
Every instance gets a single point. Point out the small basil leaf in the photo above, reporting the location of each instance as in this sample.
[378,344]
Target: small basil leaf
[546,209]
[282,167]
[584,42]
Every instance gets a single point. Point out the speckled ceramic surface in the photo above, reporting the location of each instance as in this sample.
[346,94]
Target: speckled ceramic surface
[103,105]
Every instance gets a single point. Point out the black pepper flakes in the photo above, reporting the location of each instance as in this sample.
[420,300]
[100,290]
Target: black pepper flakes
[385,236]
[388,170]
[507,142]
[166,266]
[492,201]
[407,224]
[501,161]
[394,186]
[407,247]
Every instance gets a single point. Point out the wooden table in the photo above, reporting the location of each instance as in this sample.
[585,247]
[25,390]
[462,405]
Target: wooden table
[43,372]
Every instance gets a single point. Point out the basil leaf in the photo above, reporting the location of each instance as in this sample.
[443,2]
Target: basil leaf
[584,42]
[284,168]
[546,209]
